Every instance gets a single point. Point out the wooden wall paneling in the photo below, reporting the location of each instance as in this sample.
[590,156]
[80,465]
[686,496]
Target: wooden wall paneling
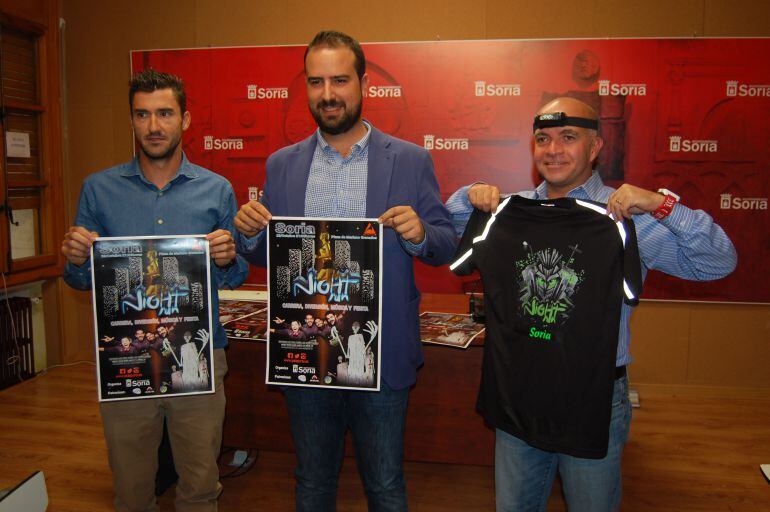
[88,45]
[593,18]
[729,18]
[52,316]
[660,336]
[398,20]
[256,23]
[730,346]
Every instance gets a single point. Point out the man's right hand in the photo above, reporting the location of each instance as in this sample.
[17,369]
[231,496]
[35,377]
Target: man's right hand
[252,218]
[77,243]
[484,197]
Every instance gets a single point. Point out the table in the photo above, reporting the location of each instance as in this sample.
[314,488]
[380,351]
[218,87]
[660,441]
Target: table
[442,422]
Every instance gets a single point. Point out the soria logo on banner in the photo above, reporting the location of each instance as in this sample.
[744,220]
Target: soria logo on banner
[728,202]
[254,92]
[482,88]
[607,88]
[677,144]
[734,88]
[431,142]
[210,143]
[384,91]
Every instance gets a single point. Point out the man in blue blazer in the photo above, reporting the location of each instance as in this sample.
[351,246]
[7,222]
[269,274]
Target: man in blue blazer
[348,168]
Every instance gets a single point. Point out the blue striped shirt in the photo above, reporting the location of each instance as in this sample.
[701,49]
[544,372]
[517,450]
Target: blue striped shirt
[686,244]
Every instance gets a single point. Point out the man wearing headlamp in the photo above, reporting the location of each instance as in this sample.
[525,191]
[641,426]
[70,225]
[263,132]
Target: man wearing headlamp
[671,238]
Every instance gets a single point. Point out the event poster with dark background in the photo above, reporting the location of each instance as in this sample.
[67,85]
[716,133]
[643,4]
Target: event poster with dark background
[152,316]
[324,309]
[685,114]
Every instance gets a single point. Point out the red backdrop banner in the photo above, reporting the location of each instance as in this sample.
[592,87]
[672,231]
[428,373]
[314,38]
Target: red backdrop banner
[689,115]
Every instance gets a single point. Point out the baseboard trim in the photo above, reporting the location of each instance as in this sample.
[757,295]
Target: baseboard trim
[693,390]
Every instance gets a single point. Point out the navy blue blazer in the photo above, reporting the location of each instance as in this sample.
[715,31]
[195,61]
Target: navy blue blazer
[399,173]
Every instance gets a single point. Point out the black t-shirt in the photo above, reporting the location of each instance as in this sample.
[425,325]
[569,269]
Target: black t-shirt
[555,274]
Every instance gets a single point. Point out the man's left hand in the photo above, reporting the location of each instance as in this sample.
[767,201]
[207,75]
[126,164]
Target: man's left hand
[221,247]
[629,200]
[405,221]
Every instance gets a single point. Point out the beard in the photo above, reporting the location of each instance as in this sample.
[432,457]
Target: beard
[160,153]
[345,122]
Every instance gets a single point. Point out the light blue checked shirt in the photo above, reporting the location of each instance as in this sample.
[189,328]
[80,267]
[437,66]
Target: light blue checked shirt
[686,244]
[336,185]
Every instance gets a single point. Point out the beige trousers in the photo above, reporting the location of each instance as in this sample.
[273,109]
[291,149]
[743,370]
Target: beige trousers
[133,430]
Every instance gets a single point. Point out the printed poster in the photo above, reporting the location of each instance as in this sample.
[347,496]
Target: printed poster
[324,310]
[244,320]
[230,310]
[152,316]
[453,329]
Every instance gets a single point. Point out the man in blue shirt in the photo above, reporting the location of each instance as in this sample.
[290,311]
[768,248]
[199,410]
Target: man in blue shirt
[348,168]
[161,193]
[671,238]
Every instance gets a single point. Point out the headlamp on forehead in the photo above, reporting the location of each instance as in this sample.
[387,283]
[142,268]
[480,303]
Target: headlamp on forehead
[562,119]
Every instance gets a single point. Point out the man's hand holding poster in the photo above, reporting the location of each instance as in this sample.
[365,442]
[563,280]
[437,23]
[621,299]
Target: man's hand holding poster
[152,316]
[324,310]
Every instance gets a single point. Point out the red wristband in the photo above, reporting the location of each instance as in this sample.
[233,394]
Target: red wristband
[664,210]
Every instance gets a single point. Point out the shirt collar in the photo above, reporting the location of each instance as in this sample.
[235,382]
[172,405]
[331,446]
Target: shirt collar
[186,169]
[355,149]
[589,189]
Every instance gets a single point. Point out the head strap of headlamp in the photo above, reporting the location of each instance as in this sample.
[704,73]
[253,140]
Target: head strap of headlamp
[562,119]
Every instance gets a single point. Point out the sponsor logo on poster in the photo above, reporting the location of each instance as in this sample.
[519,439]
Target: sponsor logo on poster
[254,92]
[137,383]
[607,88]
[676,144]
[737,89]
[728,202]
[482,88]
[433,143]
[302,369]
[369,230]
[213,144]
[384,91]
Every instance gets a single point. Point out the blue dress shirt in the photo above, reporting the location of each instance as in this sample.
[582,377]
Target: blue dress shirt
[120,201]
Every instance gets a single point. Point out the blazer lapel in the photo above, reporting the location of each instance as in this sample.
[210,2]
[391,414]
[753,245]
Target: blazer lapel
[298,169]
[381,161]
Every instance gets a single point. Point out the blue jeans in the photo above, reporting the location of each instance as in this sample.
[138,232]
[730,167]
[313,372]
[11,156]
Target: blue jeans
[319,420]
[524,475]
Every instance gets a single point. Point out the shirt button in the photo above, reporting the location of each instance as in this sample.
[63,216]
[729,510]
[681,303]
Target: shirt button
[160,193]
[160,221]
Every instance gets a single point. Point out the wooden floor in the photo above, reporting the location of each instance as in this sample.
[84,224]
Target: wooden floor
[685,454]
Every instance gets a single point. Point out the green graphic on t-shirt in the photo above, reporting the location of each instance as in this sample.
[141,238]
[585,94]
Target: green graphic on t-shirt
[548,282]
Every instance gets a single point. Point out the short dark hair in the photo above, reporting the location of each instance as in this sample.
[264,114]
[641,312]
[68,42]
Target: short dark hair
[334,39]
[149,80]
